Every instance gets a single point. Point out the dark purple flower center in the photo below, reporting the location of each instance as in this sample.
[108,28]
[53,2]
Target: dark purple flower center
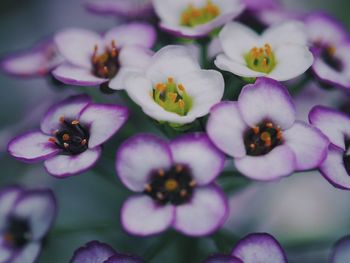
[174,186]
[262,138]
[18,233]
[106,65]
[72,137]
[328,55]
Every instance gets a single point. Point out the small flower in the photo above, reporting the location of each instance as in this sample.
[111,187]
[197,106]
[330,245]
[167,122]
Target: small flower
[195,19]
[331,47]
[36,62]
[175,185]
[261,133]
[71,135]
[259,247]
[341,251]
[96,252]
[336,126]
[94,60]
[174,88]
[279,53]
[25,218]
[131,9]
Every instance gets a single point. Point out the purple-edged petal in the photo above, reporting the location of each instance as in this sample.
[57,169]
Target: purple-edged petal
[341,251]
[135,56]
[118,258]
[69,108]
[39,208]
[103,120]
[256,248]
[141,34]
[142,216]
[225,129]
[222,259]
[32,147]
[200,155]
[28,254]
[204,214]
[335,125]
[308,143]
[93,252]
[267,99]
[6,252]
[62,166]
[277,163]
[138,157]
[73,75]
[8,197]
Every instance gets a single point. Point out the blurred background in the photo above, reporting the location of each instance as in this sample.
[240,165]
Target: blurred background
[303,211]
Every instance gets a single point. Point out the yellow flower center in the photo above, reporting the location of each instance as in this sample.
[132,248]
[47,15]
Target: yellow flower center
[261,59]
[193,16]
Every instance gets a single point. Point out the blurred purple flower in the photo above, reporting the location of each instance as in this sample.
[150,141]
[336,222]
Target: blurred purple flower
[261,133]
[341,251]
[175,185]
[93,60]
[25,218]
[71,135]
[96,252]
[254,248]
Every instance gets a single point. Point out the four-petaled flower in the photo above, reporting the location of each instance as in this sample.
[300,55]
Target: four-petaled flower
[175,185]
[261,133]
[71,135]
[25,218]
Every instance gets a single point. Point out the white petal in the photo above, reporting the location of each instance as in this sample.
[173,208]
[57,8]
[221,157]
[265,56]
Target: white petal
[28,254]
[8,197]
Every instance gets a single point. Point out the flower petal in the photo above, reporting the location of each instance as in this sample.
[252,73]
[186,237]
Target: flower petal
[141,216]
[135,56]
[277,163]
[6,252]
[266,99]
[204,214]
[308,143]
[259,248]
[8,198]
[93,252]
[200,155]
[103,120]
[223,259]
[341,251]
[39,208]
[73,75]
[225,128]
[28,254]
[62,166]
[32,147]
[69,108]
[138,157]
[118,258]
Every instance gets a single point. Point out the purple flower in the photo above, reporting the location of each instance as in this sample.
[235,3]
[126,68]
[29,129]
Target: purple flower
[71,135]
[93,59]
[131,9]
[25,218]
[336,126]
[261,133]
[341,251]
[254,248]
[35,62]
[331,48]
[175,185]
[195,19]
[96,252]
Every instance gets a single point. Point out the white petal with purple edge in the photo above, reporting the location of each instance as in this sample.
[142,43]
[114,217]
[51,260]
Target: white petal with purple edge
[103,120]
[170,11]
[138,157]
[93,252]
[28,254]
[267,99]
[256,248]
[341,251]
[69,108]
[142,216]
[277,163]
[119,258]
[8,197]
[32,147]
[67,165]
[206,212]
[135,56]
[308,143]
[225,128]
[39,208]
[200,155]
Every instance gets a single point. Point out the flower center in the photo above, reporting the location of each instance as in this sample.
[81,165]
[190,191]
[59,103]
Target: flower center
[261,59]
[174,186]
[72,137]
[193,16]
[106,65]
[17,234]
[329,57]
[172,97]
[261,139]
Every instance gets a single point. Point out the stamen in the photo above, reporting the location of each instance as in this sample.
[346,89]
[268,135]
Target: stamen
[193,183]
[181,87]
[256,129]
[75,122]
[179,168]
[83,142]
[160,196]
[261,59]
[193,16]
[62,119]
[53,140]
[161,172]
[170,80]
[66,137]
[148,188]
[65,145]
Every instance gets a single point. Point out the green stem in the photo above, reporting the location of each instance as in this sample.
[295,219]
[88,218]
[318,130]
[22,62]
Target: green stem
[160,244]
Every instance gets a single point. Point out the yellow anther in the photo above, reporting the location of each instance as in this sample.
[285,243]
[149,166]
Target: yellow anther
[181,87]
[256,129]
[66,137]
[160,87]
[265,136]
[181,104]
[172,96]
[161,172]
[269,125]
[171,185]
[148,188]
[170,80]
[75,122]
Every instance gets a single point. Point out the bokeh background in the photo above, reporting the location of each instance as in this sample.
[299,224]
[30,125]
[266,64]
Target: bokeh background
[303,211]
